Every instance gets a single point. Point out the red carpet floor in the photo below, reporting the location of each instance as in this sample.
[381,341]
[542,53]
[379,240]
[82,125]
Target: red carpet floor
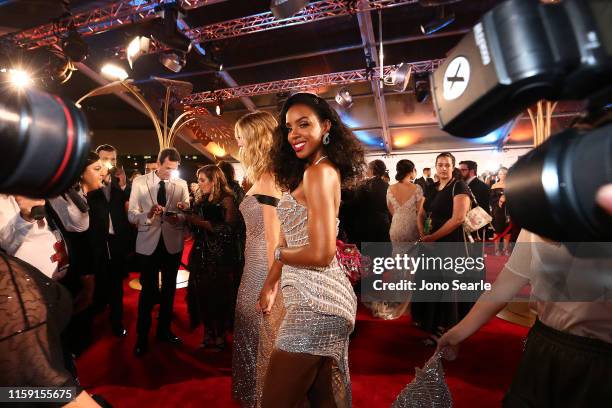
[383,355]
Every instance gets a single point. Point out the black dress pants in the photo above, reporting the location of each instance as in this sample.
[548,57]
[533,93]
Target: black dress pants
[168,264]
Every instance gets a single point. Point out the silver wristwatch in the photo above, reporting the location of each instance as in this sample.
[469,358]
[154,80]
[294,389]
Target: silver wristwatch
[277,254]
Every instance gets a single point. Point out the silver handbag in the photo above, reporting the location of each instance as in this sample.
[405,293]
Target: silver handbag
[428,389]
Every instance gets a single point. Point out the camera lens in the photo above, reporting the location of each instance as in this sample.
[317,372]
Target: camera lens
[551,190]
[44,142]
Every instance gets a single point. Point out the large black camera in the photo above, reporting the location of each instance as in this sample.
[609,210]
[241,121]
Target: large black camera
[44,142]
[520,52]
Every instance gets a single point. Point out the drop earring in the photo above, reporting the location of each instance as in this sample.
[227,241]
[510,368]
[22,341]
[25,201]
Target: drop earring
[326,138]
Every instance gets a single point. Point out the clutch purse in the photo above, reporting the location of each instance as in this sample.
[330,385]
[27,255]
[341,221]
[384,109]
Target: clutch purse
[351,261]
[428,389]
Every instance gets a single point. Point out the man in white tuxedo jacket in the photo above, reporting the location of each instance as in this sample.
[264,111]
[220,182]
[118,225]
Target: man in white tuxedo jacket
[155,203]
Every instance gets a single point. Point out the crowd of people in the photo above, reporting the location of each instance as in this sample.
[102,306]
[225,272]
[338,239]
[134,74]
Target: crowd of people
[263,261]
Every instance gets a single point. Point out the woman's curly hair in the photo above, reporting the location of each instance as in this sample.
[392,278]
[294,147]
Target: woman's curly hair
[343,150]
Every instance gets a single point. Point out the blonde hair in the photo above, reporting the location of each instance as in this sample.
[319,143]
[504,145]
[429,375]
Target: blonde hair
[220,186]
[256,130]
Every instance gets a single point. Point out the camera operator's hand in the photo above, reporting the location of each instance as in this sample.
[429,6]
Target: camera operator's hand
[604,198]
[25,206]
[155,210]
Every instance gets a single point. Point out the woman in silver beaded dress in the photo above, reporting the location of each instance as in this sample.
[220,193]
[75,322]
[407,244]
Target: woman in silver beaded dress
[312,154]
[254,334]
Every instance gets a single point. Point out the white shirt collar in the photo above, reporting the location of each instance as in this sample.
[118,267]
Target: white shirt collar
[156,178]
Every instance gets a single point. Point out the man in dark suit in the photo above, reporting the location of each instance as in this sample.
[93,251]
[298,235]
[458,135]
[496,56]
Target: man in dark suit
[469,171]
[426,182]
[112,213]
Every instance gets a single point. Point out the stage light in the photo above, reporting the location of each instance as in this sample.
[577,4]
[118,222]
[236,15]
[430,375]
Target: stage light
[421,88]
[344,98]
[137,47]
[19,78]
[398,81]
[113,72]
[173,61]
[287,8]
[74,46]
[219,108]
[438,23]
[209,52]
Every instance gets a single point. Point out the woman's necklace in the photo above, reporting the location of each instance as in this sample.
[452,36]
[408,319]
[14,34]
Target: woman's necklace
[319,160]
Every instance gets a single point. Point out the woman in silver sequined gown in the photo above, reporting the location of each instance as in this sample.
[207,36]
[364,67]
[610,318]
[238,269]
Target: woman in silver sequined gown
[255,334]
[313,153]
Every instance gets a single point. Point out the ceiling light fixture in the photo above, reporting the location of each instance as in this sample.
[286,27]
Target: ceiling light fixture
[286,8]
[441,21]
[74,46]
[399,78]
[173,61]
[137,47]
[344,98]
[114,72]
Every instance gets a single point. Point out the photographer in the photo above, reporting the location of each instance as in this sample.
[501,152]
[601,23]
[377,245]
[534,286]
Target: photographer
[28,236]
[70,212]
[567,360]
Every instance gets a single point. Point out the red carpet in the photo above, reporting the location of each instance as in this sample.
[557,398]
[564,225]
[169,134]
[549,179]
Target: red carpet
[383,355]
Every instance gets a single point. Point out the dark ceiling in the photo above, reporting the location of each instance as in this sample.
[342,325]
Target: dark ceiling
[327,46]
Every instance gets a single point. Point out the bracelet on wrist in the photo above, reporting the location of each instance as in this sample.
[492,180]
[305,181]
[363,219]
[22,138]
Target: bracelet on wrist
[277,254]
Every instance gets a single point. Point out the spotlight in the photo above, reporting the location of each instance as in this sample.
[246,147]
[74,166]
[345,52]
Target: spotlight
[137,47]
[19,78]
[399,78]
[438,23]
[287,8]
[421,88]
[74,46]
[112,71]
[173,61]
[344,98]
[210,60]
[219,108]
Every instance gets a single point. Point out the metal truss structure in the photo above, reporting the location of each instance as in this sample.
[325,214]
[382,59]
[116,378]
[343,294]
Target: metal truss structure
[302,84]
[88,23]
[97,21]
[315,11]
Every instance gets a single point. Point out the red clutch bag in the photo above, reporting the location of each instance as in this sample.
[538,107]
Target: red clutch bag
[351,261]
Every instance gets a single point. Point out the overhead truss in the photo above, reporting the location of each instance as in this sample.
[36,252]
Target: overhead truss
[315,11]
[301,84]
[135,11]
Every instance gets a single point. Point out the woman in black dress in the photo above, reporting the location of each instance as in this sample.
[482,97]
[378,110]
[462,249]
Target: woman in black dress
[213,257]
[371,202]
[446,206]
[501,220]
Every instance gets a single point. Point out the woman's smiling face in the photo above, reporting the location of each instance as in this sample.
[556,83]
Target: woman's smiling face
[304,131]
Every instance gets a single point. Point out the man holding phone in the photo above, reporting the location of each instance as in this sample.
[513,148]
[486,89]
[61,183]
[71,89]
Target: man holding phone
[155,201]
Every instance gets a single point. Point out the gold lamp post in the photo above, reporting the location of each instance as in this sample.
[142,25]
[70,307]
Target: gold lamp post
[178,89]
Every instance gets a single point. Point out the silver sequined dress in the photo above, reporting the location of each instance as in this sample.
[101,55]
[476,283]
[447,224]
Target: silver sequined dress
[320,304]
[254,334]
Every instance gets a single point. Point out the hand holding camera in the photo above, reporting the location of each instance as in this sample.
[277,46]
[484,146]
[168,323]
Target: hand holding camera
[30,209]
[155,211]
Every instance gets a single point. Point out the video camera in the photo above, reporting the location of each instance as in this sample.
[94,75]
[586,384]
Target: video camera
[44,141]
[520,52]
